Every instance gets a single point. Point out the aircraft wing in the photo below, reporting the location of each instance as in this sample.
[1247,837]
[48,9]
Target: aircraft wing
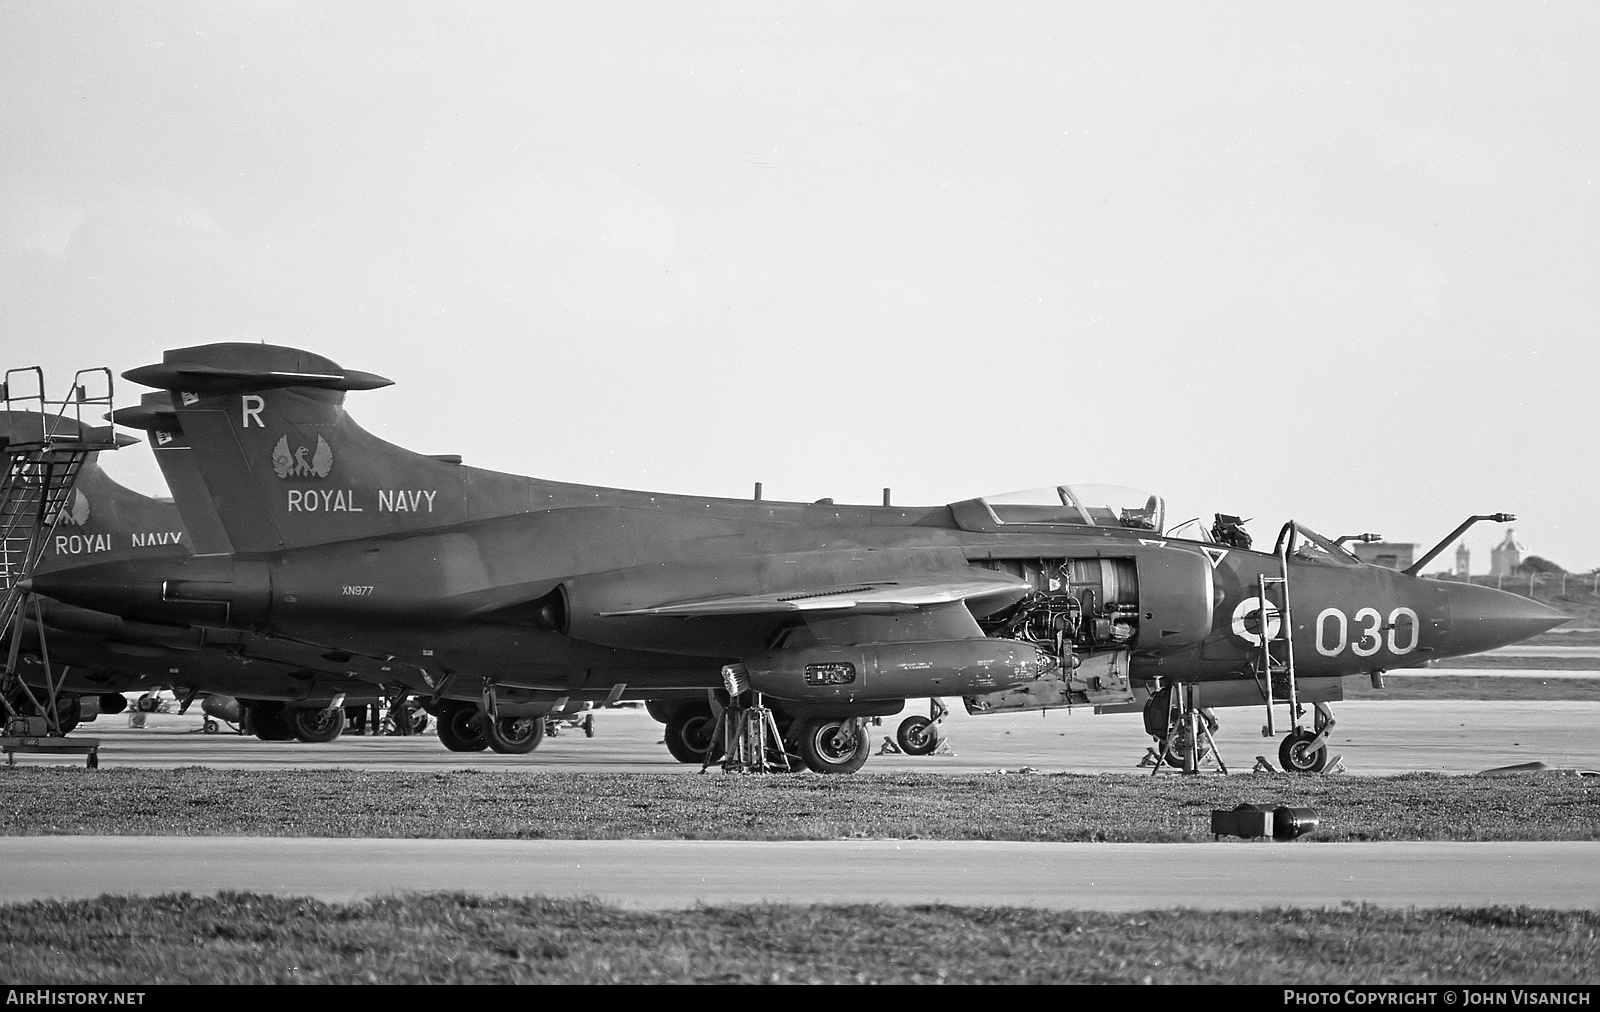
[908,593]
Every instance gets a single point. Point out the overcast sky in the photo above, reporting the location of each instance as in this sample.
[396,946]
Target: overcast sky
[1333,262]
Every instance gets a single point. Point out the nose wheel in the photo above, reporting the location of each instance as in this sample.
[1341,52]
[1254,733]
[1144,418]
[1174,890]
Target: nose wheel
[1301,752]
[1305,749]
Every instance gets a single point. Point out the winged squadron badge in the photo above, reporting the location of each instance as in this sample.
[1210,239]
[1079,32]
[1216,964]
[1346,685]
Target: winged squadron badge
[75,512]
[297,466]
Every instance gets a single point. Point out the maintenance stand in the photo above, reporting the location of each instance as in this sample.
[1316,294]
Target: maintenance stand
[45,447]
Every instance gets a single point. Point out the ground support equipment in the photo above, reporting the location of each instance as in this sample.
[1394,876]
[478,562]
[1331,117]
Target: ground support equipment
[44,448]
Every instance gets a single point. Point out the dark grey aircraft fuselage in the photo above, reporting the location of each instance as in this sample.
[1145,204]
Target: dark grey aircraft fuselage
[452,578]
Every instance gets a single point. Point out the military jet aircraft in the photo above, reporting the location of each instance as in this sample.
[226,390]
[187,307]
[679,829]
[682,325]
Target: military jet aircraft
[278,690]
[517,595]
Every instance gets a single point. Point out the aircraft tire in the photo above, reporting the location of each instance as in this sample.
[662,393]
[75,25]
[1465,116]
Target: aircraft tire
[689,735]
[314,727]
[1294,757]
[1157,713]
[266,720]
[459,728]
[69,712]
[918,735]
[661,710]
[514,735]
[834,746]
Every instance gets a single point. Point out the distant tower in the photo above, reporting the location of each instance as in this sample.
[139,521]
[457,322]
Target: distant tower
[1463,561]
[1506,556]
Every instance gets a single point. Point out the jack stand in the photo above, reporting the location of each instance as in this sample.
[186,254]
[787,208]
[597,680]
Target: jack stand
[750,740]
[1188,746]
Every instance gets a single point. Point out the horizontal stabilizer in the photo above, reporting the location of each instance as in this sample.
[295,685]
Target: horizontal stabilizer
[152,409]
[217,368]
[900,595]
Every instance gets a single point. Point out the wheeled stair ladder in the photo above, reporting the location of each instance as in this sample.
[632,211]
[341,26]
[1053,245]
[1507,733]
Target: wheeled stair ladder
[45,448]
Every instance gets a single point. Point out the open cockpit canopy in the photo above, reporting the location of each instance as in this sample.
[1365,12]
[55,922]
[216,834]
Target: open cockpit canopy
[1080,505]
[1307,545]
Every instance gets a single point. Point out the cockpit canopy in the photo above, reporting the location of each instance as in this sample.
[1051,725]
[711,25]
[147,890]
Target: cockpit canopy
[1079,505]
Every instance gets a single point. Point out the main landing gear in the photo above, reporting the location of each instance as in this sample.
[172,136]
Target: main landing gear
[1182,732]
[833,745]
[459,727]
[512,735]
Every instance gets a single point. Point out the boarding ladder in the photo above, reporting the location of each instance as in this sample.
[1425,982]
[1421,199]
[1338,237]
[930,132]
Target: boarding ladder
[1274,660]
[45,448]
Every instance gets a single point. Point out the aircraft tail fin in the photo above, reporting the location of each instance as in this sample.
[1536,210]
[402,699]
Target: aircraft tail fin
[99,517]
[258,437]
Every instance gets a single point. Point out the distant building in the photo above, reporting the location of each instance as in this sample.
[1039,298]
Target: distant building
[1463,561]
[1505,557]
[1388,554]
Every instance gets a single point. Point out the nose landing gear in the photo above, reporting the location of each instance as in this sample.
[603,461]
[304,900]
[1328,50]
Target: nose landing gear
[1305,750]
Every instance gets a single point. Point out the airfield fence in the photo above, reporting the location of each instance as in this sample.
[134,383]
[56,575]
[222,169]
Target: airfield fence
[1537,586]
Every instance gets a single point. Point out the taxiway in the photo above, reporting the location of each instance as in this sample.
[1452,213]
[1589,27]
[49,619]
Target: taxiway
[1374,738]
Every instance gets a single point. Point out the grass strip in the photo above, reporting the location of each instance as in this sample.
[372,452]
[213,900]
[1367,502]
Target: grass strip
[465,804]
[450,938]
[1488,686]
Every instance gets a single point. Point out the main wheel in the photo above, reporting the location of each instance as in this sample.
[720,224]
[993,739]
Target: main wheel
[70,712]
[1158,713]
[460,729]
[1295,755]
[1177,748]
[266,720]
[315,727]
[918,736]
[689,735]
[834,746]
[514,735]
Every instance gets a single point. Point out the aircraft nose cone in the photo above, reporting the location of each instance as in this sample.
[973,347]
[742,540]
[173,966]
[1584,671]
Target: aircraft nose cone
[1482,618]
